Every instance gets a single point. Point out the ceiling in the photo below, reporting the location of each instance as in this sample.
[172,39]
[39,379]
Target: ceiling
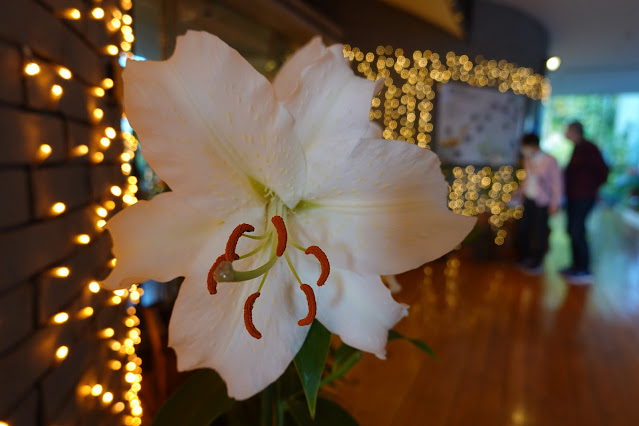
[597,41]
[437,12]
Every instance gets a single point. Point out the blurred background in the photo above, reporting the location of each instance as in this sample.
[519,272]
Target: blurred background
[465,78]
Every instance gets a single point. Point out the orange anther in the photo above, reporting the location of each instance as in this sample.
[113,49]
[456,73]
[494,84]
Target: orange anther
[278,222]
[312,306]
[323,260]
[248,316]
[211,284]
[231,244]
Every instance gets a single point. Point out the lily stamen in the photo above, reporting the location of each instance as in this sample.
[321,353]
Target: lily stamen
[222,270]
[231,244]
[324,264]
[282,235]
[211,283]
[248,316]
[312,306]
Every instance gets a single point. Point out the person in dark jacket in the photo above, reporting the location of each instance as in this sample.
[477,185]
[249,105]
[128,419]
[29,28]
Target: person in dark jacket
[583,176]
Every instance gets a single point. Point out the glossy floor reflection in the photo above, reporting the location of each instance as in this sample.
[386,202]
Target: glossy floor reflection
[513,349]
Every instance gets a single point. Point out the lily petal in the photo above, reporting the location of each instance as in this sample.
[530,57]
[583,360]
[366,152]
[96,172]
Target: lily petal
[357,307]
[331,105]
[158,239]
[288,77]
[208,108]
[208,331]
[382,210]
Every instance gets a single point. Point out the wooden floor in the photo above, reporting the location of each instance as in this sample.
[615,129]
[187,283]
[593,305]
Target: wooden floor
[513,349]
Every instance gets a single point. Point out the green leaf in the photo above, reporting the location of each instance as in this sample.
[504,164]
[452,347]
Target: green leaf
[329,413]
[310,361]
[199,401]
[393,335]
[343,353]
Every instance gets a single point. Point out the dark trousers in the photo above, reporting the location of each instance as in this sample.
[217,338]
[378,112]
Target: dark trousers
[578,211]
[532,238]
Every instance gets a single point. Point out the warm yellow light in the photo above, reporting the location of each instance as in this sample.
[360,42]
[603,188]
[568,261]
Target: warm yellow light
[129,37]
[56,90]
[80,150]
[110,205]
[82,239]
[130,366]
[127,29]
[105,142]
[127,20]
[62,352]
[72,14]
[64,73]
[118,407]
[126,46]
[113,262]
[115,346]
[116,300]
[100,223]
[112,49]
[107,397]
[121,292]
[98,114]
[115,23]
[135,296]
[102,212]
[96,390]
[107,83]
[136,411]
[553,63]
[115,364]
[106,333]
[61,272]
[125,157]
[116,190]
[94,287]
[97,13]
[44,151]
[32,68]
[132,180]
[85,312]
[60,317]
[110,132]
[98,91]
[126,168]
[58,208]
[97,157]
[129,377]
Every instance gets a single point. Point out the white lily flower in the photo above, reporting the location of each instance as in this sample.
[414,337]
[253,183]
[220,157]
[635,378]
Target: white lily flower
[236,149]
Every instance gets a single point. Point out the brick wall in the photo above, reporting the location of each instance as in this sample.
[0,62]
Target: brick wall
[35,386]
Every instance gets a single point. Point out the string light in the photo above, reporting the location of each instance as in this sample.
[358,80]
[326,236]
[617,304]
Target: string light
[44,151]
[107,83]
[101,211]
[97,13]
[107,397]
[112,49]
[101,223]
[98,91]
[56,90]
[85,313]
[80,150]
[58,208]
[110,132]
[61,353]
[96,390]
[115,364]
[60,318]
[32,68]
[61,272]
[127,20]
[109,205]
[64,73]
[97,157]
[73,14]
[106,333]
[82,239]
[94,287]
[105,142]
[116,190]
[98,113]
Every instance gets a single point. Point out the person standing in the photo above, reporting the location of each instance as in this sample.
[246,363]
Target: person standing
[542,190]
[585,173]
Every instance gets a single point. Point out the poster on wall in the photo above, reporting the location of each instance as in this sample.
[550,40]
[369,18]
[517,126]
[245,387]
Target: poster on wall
[479,126]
